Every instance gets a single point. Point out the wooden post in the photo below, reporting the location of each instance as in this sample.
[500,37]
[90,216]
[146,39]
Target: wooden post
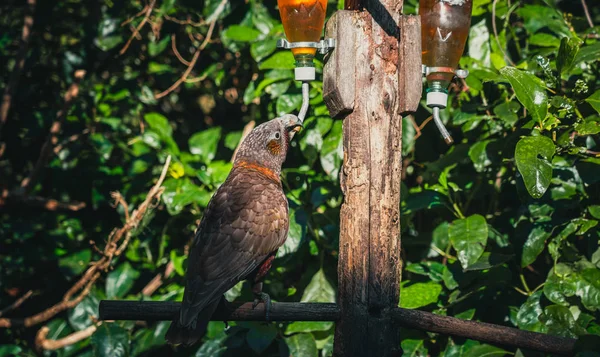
[362,82]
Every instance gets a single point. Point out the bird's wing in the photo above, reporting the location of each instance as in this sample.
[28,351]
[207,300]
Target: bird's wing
[245,221]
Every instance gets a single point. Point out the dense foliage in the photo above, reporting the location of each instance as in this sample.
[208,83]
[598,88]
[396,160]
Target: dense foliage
[502,227]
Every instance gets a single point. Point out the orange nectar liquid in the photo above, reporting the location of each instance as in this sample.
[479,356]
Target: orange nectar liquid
[444,29]
[303,20]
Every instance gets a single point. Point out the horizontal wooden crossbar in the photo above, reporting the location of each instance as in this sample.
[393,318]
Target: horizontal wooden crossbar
[289,311]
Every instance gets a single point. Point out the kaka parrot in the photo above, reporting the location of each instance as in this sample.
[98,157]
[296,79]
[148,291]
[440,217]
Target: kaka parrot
[244,224]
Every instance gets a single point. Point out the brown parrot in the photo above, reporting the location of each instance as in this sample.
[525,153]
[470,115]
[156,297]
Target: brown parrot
[244,224]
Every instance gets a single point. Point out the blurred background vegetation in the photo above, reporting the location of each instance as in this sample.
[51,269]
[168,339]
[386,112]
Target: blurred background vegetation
[502,227]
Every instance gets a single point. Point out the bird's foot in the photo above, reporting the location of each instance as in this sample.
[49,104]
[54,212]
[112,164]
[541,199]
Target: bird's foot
[264,298]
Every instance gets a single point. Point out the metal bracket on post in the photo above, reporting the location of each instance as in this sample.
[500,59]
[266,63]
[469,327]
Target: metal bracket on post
[322,46]
[460,73]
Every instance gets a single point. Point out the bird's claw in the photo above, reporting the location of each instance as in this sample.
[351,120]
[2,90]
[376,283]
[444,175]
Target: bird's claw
[264,298]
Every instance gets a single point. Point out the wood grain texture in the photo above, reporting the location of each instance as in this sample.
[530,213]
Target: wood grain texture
[339,85]
[409,65]
[369,262]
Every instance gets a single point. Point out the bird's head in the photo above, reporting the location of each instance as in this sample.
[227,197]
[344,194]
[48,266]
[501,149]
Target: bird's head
[267,145]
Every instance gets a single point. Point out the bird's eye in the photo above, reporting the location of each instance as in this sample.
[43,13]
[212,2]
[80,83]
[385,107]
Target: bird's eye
[277,135]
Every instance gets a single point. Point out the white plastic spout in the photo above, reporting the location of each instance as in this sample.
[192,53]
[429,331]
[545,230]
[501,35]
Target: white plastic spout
[440,125]
[305,100]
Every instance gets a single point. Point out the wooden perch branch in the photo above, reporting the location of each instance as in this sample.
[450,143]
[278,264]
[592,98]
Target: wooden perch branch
[115,246]
[286,311]
[481,331]
[235,311]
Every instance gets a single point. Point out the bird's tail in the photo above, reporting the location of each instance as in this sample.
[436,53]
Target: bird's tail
[189,335]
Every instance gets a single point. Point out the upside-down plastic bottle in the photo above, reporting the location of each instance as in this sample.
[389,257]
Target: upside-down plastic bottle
[303,21]
[444,29]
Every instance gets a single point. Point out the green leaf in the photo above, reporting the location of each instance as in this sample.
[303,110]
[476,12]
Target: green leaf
[594,211]
[262,49]
[507,112]
[569,46]
[302,344]
[84,313]
[479,156]
[319,289]
[485,351]
[120,280]
[489,260]
[588,127]
[74,264]
[159,124]
[529,312]
[533,155]
[534,245]
[529,92]
[204,143]
[479,46]
[146,339]
[288,103]
[240,33]
[279,60]
[332,151]
[588,288]
[419,294]
[110,340]
[589,53]
[559,321]
[261,336]
[469,238]
[296,233]
[308,326]
[594,100]
[182,192]
[155,48]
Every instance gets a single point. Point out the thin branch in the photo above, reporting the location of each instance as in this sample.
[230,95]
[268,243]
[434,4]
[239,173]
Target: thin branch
[17,303]
[496,34]
[184,22]
[82,287]
[139,27]
[52,139]
[15,74]
[158,280]
[177,54]
[43,343]
[187,72]
[587,13]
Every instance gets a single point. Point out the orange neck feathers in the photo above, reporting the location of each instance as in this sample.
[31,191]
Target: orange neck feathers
[256,167]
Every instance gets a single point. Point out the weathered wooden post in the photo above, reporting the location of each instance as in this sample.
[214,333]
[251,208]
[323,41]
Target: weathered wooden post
[371,78]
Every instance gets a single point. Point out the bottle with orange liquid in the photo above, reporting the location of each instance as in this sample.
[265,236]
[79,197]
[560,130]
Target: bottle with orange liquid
[444,29]
[303,22]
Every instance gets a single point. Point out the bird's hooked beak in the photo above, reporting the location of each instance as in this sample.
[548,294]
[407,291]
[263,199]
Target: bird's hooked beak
[292,124]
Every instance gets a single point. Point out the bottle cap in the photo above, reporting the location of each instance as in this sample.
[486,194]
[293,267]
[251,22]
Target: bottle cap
[304,73]
[437,99]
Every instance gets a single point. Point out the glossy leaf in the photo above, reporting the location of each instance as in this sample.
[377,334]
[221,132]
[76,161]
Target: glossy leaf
[528,91]
[110,340]
[204,143]
[534,245]
[468,237]
[419,294]
[302,344]
[533,155]
[121,280]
